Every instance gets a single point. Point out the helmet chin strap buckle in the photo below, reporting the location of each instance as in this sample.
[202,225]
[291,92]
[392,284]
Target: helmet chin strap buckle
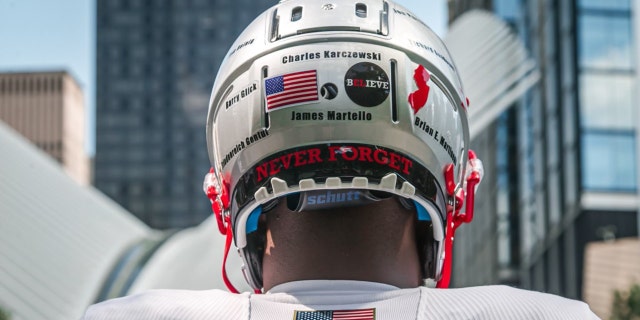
[465,195]
[219,197]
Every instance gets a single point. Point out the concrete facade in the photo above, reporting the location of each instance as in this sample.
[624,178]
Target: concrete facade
[48,109]
[609,266]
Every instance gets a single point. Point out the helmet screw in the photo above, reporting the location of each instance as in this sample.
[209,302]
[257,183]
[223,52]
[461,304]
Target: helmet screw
[329,6]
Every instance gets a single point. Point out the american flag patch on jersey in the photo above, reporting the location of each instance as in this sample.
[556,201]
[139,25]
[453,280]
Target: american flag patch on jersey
[363,314]
[291,88]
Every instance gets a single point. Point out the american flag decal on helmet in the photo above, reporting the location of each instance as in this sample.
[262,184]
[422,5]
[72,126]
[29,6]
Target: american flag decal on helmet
[361,314]
[291,88]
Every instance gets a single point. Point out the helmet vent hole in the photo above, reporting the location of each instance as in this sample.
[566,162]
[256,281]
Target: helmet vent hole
[329,91]
[265,116]
[394,101]
[361,10]
[296,14]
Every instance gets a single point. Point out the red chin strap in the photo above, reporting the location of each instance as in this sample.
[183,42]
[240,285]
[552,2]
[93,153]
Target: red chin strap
[219,197]
[454,217]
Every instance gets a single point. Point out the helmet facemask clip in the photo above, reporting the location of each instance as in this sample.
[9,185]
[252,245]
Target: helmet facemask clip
[465,195]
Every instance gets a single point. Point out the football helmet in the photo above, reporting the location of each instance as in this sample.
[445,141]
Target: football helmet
[333,103]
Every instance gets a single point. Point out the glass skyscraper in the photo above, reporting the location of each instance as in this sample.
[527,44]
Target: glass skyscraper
[606,77]
[156,62]
[564,157]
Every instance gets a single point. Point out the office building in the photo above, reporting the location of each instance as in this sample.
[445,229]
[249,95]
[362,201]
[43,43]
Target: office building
[156,63]
[48,109]
[459,7]
[565,155]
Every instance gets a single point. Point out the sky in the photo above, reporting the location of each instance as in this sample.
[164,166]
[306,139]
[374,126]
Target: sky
[46,35]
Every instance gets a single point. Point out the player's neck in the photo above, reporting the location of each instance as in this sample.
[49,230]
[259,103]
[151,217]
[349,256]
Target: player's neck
[371,243]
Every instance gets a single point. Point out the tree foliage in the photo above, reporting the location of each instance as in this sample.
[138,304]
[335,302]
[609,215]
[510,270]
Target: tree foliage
[626,305]
[4,314]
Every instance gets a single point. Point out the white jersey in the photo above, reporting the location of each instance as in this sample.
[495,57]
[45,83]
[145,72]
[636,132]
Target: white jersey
[354,300]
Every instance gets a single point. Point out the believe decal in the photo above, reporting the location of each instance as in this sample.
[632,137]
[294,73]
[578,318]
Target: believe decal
[366,84]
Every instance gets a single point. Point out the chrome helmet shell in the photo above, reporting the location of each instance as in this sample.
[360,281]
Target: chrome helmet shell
[337,95]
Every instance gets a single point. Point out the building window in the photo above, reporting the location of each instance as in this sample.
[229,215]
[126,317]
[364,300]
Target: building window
[606,91]
[507,9]
[605,41]
[607,100]
[608,161]
[506,196]
[605,4]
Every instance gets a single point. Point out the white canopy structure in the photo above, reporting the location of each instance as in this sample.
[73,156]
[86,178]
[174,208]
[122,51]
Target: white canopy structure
[64,246]
[58,240]
[493,64]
